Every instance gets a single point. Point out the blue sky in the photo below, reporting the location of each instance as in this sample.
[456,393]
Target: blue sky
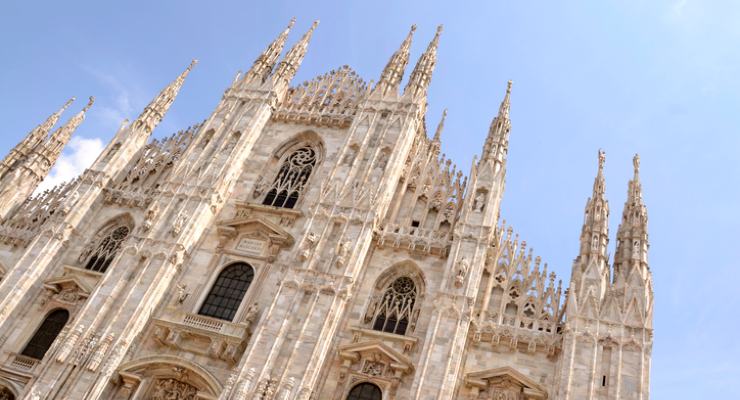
[656,77]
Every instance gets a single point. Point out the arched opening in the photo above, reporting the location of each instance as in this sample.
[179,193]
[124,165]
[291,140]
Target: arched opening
[46,334]
[365,391]
[291,178]
[6,394]
[103,248]
[396,306]
[228,291]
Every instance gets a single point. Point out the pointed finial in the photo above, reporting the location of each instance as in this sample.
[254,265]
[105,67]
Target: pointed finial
[67,104]
[636,164]
[440,126]
[421,76]
[291,23]
[293,59]
[155,111]
[392,74]
[602,159]
[90,102]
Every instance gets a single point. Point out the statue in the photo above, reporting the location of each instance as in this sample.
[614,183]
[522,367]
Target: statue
[182,294]
[251,315]
[480,201]
[462,271]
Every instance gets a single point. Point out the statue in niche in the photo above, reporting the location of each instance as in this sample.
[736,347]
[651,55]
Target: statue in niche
[181,294]
[308,244]
[479,201]
[251,315]
[342,252]
[382,160]
[151,214]
[178,225]
[462,271]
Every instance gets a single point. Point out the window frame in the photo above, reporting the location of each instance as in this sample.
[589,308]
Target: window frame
[38,329]
[238,314]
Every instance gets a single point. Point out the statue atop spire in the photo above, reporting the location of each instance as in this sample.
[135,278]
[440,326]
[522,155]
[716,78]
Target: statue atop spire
[156,110]
[266,61]
[421,76]
[632,234]
[595,230]
[293,59]
[392,74]
[497,143]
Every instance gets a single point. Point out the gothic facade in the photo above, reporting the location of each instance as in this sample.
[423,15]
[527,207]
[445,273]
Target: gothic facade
[306,242]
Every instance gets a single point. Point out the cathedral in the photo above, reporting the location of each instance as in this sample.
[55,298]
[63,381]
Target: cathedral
[306,241]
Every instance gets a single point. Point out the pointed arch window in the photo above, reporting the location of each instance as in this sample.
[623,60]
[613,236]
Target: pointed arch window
[365,391]
[291,178]
[99,253]
[396,307]
[228,291]
[46,334]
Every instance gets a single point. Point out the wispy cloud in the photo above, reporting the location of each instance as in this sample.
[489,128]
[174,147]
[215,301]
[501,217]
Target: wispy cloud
[121,98]
[678,8]
[79,154]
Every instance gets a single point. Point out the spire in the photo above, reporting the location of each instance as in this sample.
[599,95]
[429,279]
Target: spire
[33,139]
[155,111]
[497,142]
[422,73]
[440,127]
[289,65]
[55,144]
[264,64]
[632,237]
[393,71]
[595,230]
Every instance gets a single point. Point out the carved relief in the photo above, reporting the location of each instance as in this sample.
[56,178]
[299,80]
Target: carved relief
[172,389]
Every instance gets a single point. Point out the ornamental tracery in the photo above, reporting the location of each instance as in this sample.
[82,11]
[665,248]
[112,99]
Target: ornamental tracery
[102,249]
[394,310]
[290,180]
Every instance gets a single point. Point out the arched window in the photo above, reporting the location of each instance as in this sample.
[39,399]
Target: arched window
[395,309]
[45,335]
[98,254]
[228,291]
[291,178]
[365,391]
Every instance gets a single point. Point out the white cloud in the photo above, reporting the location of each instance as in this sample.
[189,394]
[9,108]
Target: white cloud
[79,154]
[678,7]
[121,97]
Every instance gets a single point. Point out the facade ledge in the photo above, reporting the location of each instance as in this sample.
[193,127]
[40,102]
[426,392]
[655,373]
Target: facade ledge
[408,343]
[199,334]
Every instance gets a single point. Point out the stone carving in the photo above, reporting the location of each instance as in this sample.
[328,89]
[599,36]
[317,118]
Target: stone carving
[461,272]
[178,225]
[308,244]
[172,389]
[151,215]
[342,251]
[373,368]
[181,294]
[479,201]
[251,315]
